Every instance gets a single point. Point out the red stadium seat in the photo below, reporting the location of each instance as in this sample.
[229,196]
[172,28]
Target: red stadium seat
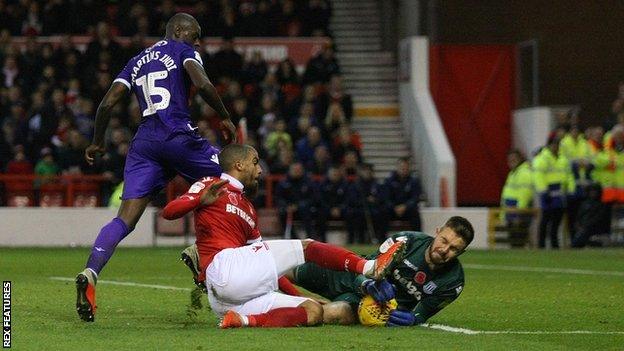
[51,195]
[86,194]
[20,193]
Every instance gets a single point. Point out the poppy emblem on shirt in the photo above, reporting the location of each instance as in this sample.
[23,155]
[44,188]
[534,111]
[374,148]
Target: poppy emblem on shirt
[233,199]
[420,277]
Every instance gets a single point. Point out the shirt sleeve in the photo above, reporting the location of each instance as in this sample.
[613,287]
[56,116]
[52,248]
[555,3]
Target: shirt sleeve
[429,305]
[190,54]
[124,76]
[185,203]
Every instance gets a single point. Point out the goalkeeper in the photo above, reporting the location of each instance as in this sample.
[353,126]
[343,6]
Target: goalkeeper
[429,278]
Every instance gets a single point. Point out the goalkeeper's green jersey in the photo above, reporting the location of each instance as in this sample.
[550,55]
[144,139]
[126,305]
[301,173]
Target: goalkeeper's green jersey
[419,289]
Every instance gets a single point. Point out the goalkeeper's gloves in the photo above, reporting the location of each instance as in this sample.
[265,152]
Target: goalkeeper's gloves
[381,290]
[400,318]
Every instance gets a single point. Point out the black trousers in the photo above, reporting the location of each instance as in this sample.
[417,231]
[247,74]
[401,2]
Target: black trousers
[549,224]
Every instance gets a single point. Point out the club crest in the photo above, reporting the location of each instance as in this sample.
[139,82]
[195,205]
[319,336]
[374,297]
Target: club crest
[233,199]
[429,287]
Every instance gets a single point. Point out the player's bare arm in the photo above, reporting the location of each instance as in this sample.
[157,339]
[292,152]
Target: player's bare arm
[209,94]
[114,94]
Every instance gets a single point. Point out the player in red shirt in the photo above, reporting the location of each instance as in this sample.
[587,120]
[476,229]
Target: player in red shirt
[240,270]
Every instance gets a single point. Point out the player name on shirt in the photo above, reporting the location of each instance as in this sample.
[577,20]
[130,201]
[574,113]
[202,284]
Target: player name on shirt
[229,208]
[167,60]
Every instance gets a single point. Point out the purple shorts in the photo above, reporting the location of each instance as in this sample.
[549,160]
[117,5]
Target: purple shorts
[151,164]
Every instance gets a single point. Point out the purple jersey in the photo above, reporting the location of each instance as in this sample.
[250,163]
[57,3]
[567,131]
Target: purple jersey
[158,79]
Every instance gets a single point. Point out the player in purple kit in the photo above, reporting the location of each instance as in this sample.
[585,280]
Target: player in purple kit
[165,144]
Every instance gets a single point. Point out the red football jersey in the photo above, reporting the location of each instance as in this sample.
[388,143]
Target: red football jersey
[229,222]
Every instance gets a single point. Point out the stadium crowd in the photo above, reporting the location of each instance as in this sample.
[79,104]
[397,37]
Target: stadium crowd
[246,18]
[578,173]
[298,120]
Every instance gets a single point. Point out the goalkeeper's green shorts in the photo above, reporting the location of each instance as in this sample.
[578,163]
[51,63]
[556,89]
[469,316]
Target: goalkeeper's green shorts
[332,285]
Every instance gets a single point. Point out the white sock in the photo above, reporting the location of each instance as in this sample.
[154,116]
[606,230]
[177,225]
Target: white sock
[368,267]
[245,320]
[95,275]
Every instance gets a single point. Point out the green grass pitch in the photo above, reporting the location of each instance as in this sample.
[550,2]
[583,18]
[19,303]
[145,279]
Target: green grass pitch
[522,300]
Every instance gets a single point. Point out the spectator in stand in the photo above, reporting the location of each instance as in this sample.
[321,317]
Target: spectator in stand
[247,21]
[19,123]
[10,75]
[335,94]
[364,208]
[54,13]
[255,69]
[316,16]
[5,151]
[263,20]
[136,20]
[274,138]
[322,66]
[20,163]
[298,127]
[286,72]
[228,62]
[350,163]
[269,114]
[294,198]
[321,163]
[334,119]
[164,12]
[104,42]
[403,193]
[85,117]
[71,154]
[113,166]
[115,126]
[288,22]
[331,201]
[281,165]
[45,124]
[305,146]
[203,127]
[345,141]
[46,166]
[101,87]
[32,23]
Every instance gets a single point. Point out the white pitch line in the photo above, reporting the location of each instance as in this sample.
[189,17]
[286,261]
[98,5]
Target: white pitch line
[542,269]
[112,282]
[523,332]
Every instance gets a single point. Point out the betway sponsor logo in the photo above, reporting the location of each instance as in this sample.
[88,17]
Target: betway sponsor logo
[229,208]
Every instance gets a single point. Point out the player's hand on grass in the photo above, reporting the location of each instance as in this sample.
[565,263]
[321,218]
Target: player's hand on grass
[399,318]
[381,290]
[91,151]
[213,192]
[229,131]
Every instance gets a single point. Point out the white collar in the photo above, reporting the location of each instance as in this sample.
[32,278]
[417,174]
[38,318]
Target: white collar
[233,181]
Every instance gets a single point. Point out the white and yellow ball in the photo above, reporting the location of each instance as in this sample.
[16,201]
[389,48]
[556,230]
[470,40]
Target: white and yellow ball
[371,313]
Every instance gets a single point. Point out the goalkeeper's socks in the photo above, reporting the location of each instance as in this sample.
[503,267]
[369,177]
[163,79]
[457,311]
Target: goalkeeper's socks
[335,258]
[279,317]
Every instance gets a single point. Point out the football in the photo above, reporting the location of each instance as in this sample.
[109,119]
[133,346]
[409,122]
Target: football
[372,313]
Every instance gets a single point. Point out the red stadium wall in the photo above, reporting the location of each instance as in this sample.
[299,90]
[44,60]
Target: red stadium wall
[473,88]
